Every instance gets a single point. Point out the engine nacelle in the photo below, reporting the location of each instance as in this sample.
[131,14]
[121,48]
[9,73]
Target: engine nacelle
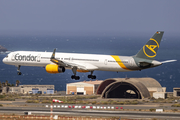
[51,68]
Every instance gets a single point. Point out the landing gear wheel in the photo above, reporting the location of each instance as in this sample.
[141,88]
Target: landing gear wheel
[19,73]
[89,76]
[92,76]
[75,77]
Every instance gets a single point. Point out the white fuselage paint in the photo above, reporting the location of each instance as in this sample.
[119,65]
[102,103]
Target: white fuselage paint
[41,59]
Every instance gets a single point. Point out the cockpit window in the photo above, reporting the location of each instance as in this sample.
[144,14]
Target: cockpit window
[7,56]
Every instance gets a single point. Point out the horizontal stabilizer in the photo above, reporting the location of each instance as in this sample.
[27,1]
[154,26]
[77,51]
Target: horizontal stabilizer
[167,61]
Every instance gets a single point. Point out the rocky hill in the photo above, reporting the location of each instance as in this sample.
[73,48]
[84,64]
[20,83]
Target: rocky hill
[3,49]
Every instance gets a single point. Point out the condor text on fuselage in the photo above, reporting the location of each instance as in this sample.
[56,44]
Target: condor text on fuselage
[29,57]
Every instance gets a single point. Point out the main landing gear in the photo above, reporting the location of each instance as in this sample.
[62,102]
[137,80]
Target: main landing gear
[18,70]
[92,76]
[74,76]
[74,69]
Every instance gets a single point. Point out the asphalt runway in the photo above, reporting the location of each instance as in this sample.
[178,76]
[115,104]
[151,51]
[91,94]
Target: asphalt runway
[99,113]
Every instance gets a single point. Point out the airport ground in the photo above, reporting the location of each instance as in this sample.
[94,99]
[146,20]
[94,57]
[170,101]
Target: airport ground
[127,108]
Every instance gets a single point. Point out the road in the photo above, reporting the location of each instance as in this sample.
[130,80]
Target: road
[75,112]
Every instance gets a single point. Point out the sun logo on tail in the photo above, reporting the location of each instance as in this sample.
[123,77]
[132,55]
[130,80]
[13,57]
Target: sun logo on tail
[150,48]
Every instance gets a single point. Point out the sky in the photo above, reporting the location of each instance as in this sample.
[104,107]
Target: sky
[86,17]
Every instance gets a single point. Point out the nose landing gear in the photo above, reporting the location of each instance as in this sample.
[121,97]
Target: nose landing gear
[18,70]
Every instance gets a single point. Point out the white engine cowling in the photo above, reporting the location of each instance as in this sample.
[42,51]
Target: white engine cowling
[53,69]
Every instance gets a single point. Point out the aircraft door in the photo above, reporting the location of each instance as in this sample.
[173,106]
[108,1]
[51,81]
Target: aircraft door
[39,58]
[70,59]
[105,61]
[132,63]
[13,57]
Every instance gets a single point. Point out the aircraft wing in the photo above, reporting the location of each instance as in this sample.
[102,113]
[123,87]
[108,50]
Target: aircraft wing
[81,66]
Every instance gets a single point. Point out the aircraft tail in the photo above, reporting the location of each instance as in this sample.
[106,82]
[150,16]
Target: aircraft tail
[149,50]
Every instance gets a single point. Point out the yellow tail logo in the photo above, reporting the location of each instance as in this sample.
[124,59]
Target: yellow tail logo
[149,50]
[152,47]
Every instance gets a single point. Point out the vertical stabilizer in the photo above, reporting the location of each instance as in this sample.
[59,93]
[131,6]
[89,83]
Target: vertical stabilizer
[149,50]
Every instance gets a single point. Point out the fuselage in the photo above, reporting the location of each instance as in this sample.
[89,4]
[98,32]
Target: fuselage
[102,62]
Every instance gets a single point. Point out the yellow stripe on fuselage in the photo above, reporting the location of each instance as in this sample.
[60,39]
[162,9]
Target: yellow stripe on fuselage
[118,60]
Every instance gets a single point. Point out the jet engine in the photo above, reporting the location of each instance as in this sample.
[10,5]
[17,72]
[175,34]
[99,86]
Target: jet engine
[51,68]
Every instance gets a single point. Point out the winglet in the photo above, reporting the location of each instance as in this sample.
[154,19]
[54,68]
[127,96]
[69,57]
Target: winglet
[53,55]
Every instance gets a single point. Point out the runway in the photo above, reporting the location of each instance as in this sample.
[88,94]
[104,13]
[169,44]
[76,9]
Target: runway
[75,112]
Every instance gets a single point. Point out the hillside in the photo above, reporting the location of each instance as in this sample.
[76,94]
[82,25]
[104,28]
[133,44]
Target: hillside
[3,49]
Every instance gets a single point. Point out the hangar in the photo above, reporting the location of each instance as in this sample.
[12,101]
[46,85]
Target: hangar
[137,88]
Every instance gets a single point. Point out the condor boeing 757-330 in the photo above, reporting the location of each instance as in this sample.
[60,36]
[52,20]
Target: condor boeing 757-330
[59,62]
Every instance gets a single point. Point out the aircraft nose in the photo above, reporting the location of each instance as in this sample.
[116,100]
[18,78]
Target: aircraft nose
[4,60]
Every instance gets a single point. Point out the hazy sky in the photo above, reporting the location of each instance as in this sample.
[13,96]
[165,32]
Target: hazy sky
[89,16]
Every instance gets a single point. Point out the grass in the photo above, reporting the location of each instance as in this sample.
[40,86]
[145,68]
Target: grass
[152,110]
[32,101]
[174,110]
[175,105]
[8,97]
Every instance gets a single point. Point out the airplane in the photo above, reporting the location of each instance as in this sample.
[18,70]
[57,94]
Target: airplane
[59,62]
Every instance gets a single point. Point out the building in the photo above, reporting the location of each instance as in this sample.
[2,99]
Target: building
[32,89]
[83,88]
[176,92]
[137,88]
